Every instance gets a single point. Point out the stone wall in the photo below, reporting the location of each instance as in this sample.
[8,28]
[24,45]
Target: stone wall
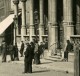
[4,8]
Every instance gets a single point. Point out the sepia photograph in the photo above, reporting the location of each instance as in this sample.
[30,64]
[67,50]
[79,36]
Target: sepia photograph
[39,37]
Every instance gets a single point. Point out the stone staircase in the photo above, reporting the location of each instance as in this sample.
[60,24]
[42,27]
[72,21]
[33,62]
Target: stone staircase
[59,56]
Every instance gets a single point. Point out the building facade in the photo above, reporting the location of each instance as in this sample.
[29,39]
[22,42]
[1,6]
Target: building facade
[47,20]
[4,12]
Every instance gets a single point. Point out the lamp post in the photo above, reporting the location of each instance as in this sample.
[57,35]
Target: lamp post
[36,23]
[15,23]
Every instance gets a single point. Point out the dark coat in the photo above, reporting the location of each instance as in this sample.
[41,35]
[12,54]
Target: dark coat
[22,46]
[69,47]
[11,49]
[15,48]
[32,49]
[4,48]
[28,54]
[40,49]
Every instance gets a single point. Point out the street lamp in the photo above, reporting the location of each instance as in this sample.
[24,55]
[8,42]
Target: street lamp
[15,23]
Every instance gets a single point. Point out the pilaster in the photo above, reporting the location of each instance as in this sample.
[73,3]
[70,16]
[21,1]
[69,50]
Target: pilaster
[23,30]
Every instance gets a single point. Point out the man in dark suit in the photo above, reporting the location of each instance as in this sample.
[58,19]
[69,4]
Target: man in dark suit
[28,59]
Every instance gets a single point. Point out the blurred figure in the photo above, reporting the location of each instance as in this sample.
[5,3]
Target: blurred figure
[69,47]
[46,45]
[36,61]
[41,50]
[11,52]
[22,49]
[32,48]
[4,51]
[28,59]
[15,48]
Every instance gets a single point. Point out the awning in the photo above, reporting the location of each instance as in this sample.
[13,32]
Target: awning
[6,23]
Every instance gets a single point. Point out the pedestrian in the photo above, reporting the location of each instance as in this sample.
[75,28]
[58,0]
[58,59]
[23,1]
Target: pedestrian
[32,48]
[36,53]
[28,59]
[69,47]
[46,45]
[22,49]
[11,52]
[15,48]
[4,50]
[41,51]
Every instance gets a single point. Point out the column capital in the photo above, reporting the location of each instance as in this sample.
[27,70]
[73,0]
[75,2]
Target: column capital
[23,0]
[16,1]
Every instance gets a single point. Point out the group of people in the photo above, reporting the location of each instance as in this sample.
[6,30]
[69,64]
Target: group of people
[32,53]
[10,49]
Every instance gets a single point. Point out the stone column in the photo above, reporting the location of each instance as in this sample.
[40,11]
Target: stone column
[53,28]
[68,19]
[31,32]
[23,30]
[78,17]
[41,25]
[49,22]
[16,2]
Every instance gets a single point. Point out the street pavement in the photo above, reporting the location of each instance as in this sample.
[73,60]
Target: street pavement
[52,66]
[16,69]
[55,63]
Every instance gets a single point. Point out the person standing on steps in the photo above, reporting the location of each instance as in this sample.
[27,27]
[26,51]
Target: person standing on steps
[69,47]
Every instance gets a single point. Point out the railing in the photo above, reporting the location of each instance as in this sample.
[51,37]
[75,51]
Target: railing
[55,48]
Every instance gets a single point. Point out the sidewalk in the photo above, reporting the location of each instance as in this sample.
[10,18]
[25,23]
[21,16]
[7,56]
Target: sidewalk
[52,63]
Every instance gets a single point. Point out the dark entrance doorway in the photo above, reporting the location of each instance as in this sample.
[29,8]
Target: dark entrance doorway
[9,34]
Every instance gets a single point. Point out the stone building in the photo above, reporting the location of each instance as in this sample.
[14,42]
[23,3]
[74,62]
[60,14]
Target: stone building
[47,20]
